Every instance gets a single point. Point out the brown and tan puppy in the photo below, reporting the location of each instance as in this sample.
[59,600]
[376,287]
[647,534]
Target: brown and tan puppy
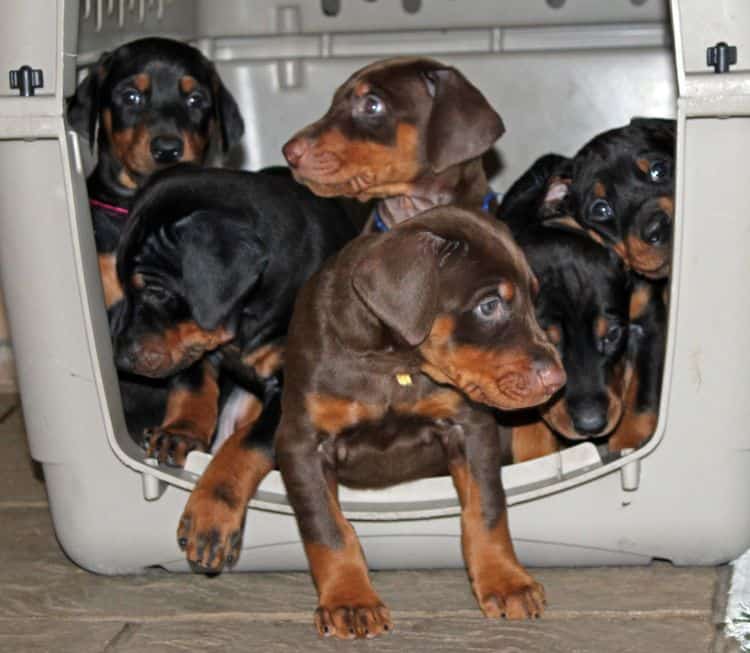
[407,131]
[397,349]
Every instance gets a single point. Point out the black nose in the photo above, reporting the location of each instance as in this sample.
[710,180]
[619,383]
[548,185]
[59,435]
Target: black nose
[657,229]
[166,149]
[589,414]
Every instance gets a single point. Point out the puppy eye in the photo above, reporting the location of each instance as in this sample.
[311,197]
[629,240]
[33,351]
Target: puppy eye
[613,335]
[490,306]
[370,105]
[658,171]
[132,98]
[601,211]
[195,100]
[611,340]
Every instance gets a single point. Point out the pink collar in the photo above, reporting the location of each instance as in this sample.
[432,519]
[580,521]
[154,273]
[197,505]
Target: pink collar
[109,207]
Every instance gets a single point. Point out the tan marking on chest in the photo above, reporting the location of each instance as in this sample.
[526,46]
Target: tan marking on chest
[332,415]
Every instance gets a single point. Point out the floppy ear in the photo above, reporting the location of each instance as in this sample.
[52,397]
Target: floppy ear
[398,281]
[221,260]
[227,114]
[462,124]
[83,107]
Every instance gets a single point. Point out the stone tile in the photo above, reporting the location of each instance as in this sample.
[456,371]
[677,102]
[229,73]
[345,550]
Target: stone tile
[37,579]
[45,635]
[20,477]
[585,635]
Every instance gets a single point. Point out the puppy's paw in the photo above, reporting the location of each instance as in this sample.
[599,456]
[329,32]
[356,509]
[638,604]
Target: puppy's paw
[366,618]
[510,595]
[170,447]
[210,529]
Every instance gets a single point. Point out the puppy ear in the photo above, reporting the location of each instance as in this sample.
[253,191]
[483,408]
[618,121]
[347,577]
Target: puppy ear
[557,190]
[222,260]
[398,281]
[83,107]
[227,114]
[462,124]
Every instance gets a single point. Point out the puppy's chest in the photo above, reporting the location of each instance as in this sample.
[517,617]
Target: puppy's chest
[406,398]
[402,437]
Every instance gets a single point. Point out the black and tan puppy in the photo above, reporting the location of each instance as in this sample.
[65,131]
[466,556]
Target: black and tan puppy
[620,188]
[212,257]
[397,349]
[147,105]
[582,304]
[614,378]
[409,132]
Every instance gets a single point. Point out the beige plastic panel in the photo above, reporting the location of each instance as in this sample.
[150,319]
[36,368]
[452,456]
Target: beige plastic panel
[105,24]
[706,23]
[29,36]
[698,25]
[244,17]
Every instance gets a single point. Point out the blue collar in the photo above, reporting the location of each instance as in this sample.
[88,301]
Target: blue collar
[381,226]
[378,220]
[488,199]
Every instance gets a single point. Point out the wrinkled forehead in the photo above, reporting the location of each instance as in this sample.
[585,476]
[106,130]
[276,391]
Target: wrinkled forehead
[386,75]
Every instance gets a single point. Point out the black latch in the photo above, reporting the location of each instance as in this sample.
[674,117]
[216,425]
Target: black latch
[26,79]
[721,56]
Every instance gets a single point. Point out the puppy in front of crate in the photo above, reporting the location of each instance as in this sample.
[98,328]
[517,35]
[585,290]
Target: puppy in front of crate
[146,105]
[397,350]
[210,266]
[408,133]
[619,187]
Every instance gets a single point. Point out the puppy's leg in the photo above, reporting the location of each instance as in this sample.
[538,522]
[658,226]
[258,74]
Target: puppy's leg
[210,529]
[501,585]
[190,418]
[348,605]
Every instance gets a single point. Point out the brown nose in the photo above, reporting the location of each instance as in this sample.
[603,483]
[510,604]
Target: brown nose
[551,376]
[294,150]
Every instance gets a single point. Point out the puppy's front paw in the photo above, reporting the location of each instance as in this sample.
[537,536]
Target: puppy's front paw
[210,530]
[511,594]
[170,447]
[349,619]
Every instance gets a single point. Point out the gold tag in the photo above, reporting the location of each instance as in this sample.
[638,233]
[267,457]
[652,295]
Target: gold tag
[404,379]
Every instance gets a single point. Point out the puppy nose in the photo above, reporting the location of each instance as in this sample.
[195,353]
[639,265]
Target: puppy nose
[589,415]
[166,149]
[657,229]
[551,376]
[294,150]
[146,359]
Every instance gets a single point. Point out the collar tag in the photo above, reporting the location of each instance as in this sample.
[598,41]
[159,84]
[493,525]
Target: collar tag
[404,379]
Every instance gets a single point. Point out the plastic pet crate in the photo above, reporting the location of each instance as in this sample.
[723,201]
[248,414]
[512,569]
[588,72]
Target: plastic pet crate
[558,72]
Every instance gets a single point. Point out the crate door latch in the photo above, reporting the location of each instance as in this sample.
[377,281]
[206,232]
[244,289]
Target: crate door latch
[26,79]
[721,56]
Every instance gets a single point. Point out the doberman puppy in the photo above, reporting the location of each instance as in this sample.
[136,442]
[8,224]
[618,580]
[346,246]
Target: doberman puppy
[614,378]
[582,304]
[397,349]
[407,131]
[219,264]
[147,105]
[620,188]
